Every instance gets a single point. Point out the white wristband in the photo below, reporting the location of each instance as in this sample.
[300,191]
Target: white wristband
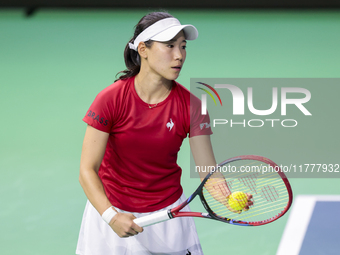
[109,214]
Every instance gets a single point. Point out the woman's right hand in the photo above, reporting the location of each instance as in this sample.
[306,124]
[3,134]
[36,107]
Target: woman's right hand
[123,225]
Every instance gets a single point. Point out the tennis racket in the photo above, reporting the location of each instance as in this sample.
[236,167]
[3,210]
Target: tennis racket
[269,195]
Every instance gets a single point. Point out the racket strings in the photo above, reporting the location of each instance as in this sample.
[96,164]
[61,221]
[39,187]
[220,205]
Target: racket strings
[214,202]
[269,193]
[262,211]
[266,210]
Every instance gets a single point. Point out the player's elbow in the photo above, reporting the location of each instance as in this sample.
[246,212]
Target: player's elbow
[83,173]
[86,174]
[81,177]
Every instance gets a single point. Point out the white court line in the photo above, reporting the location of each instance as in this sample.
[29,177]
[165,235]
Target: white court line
[298,222]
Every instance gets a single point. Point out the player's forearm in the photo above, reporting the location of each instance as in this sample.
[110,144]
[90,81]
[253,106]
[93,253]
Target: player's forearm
[203,154]
[94,189]
[121,223]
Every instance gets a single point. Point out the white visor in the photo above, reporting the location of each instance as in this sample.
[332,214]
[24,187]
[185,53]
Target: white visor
[164,30]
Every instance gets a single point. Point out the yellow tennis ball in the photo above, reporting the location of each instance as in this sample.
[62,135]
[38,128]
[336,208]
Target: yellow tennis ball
[238,200]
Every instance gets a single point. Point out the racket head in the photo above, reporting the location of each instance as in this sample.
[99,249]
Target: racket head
[271,192]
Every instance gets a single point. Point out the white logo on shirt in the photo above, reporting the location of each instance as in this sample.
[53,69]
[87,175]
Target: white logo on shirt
[207,125]
[170,125]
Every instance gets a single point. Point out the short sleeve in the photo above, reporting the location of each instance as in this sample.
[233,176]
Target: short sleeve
[199,124]
[100,113]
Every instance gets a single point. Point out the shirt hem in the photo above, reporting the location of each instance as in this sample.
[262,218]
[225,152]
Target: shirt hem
[149,208]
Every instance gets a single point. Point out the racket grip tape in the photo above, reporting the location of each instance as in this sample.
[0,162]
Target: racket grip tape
[153,218]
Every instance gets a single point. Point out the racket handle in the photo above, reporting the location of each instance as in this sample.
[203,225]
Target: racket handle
[152,218]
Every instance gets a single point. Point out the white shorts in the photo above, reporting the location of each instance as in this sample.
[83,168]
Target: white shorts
[173,237]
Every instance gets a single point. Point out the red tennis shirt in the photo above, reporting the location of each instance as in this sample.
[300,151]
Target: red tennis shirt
[139,170]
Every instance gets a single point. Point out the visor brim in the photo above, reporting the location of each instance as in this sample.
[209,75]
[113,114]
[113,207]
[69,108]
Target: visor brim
[190,33]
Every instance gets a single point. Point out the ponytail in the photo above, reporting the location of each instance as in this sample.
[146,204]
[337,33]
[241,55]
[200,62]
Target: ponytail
[132,63]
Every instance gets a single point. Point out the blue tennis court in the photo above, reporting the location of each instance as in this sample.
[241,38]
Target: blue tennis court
[313,226]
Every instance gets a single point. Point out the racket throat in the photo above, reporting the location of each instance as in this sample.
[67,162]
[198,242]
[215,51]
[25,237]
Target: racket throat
[171,216]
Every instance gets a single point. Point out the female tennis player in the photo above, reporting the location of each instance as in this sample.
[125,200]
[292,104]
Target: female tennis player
[135,129]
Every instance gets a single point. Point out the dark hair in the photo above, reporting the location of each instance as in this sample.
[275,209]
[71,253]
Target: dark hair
[131,57]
